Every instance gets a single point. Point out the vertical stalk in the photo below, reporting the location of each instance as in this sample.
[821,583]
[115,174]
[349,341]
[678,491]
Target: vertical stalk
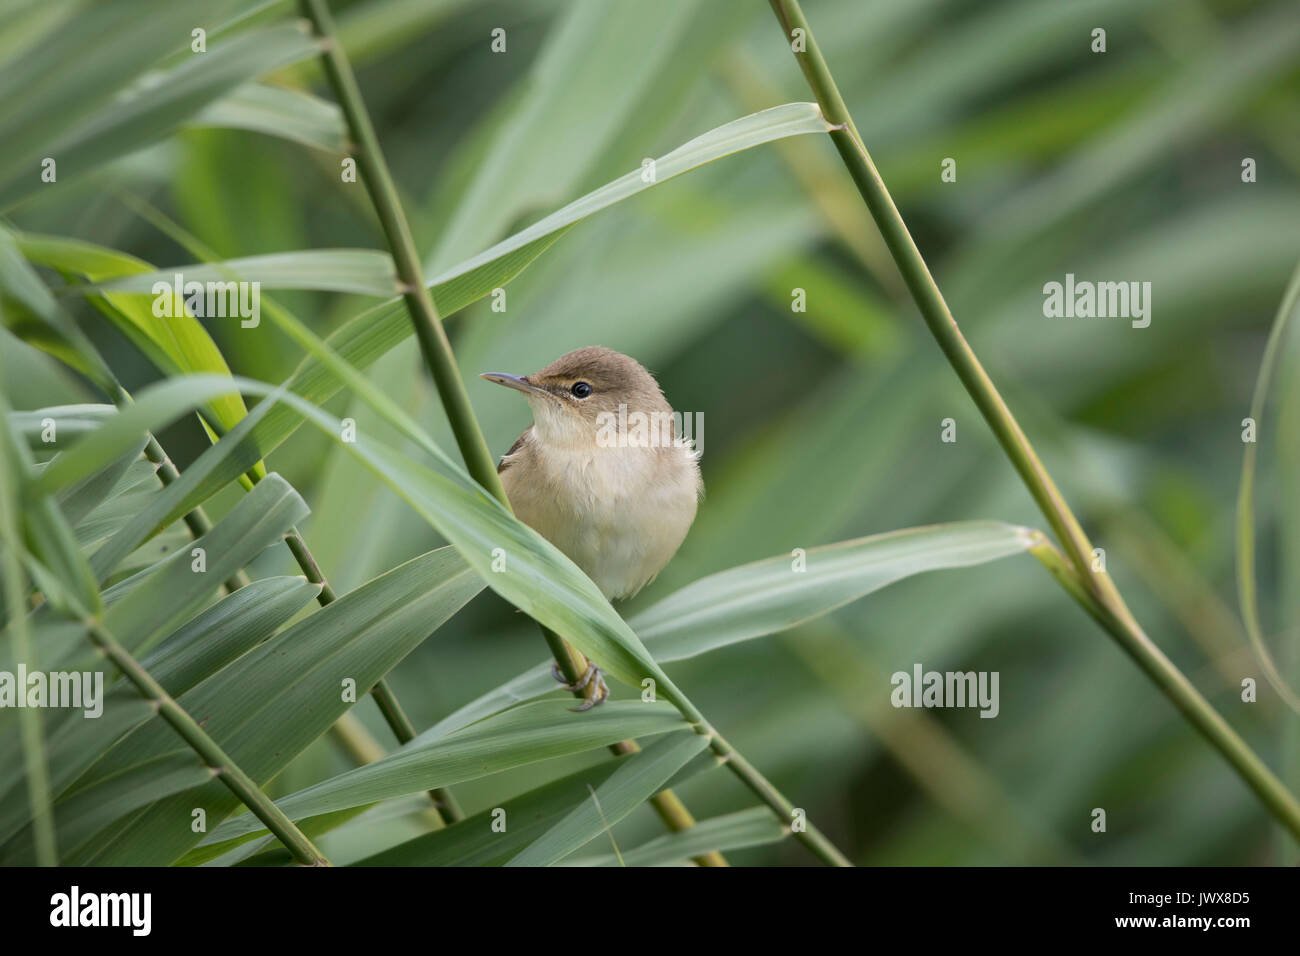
[434,344]
[33,738]
[429,331]
[925,291]
[1093,589]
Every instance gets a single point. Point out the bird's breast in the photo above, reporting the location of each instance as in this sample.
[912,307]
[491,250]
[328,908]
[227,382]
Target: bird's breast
[618,513]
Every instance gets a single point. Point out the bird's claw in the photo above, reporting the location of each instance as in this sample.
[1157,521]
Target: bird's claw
[598,695]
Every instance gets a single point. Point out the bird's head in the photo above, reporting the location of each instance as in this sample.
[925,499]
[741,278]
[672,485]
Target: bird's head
[573,396]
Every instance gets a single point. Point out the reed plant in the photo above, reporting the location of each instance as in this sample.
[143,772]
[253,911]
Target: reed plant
[308,636]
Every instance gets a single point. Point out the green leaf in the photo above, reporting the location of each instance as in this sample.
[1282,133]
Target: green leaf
[13,598]
[170,591]
[149,604]
[216,467]
[47,537]
[154,407]
[773,595]
[46,100]
[735,831]
[153,106]
[78,500]
[768,596]
[515,738]
[474,842]
[468,281]
[177,771]
[128,499]
[176,345]
[627,788]
[568,88]
[198,649]
[363,271]
[1246,585]
[29,311]
[298,683]
[277,111]
[70,422]
[223,632]
[531,684]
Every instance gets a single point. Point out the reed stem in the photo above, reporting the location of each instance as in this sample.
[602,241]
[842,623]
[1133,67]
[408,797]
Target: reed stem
[1094,590]
[434,344]
[223,768]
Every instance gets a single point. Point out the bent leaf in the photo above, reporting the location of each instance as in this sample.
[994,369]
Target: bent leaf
[774,594]
[1246,588]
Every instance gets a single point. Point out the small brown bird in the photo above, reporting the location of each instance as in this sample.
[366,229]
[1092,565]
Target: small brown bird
[602,473]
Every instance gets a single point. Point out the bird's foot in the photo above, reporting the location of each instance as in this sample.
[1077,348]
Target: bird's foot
[599,693]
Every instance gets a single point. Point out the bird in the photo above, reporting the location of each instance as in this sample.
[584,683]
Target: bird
[603,473]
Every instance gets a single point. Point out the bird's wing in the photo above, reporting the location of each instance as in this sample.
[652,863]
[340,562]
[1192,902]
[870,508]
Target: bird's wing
[519,443]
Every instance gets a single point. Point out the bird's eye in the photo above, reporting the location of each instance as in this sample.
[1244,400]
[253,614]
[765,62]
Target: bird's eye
[580,390]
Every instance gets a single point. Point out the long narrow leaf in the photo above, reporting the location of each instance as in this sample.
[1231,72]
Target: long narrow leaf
[735,831]
[777,593]
[626,789]
[363,271]
[769,596]
[277,111]
[155,106]
[300,682]
[475,842]
[1246,586]
[518,737]
[176,344]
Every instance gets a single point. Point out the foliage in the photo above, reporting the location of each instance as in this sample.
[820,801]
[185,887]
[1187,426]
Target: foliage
[522,176]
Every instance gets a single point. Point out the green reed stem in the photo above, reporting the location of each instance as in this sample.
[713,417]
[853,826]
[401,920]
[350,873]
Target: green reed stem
[223,768]
[1184,695]
[437,348]
[1093,589]
[434,343]
[752,777]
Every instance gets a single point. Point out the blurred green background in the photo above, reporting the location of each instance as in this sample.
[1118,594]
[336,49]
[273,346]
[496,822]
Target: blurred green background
[825,425]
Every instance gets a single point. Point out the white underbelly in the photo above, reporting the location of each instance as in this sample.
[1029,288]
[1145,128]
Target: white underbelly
[599,509]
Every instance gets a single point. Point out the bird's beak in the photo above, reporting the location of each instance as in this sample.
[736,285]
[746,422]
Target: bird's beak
[519,382]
